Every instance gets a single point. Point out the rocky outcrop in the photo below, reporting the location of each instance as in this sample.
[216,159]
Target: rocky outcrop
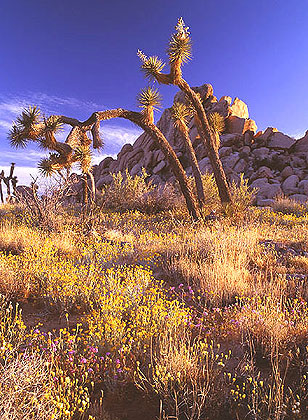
[273,162]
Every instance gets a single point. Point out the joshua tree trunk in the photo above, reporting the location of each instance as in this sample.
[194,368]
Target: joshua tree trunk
[93,189]
[1,192]
[176,167]
[85,190]
[194,163]
[208,138]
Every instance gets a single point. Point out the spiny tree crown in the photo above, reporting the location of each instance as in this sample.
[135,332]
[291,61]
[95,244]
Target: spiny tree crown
[179,48]
[151,66]
[49,166]
[28,117]
[53,124]
[180,113]
[217,122]
[31,126]
[149,97]
[83,155]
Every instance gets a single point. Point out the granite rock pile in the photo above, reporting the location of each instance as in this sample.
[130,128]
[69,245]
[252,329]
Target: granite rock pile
[273,162]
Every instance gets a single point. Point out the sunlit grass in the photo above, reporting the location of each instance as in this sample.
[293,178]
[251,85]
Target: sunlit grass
[194,315]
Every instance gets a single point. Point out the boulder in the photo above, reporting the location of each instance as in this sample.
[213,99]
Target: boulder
[225,151]
[301,144]
[259,183]
[193,133]
[264,172]
[240,166]
[230,139]
[300,198]
[239,125]
[105,163]
[265,189]
[298,162]
[239,109]
[289,185]
[265,202]
[248,137]
[136,170]
[303,186]
[159,167]
[286,172]
[245,152]
[279,140]
[226,98]
[267,133]
[105,180]
[231,161]
[125,149]
[222,107]
[261,153]
[205,165]
[271,191]
[205,91]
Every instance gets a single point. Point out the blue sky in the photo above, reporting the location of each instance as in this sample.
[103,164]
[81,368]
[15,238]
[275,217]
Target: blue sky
[75,57]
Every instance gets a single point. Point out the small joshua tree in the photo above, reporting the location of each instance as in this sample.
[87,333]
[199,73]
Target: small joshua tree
[30,126]
[179,52]
[9,181]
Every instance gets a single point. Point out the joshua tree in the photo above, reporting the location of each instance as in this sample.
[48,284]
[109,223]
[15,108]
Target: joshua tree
[149,100]
[9,181]
[77,145]
[179,52]
[30,126]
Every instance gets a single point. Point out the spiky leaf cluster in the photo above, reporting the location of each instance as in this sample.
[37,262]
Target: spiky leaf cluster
[24,127]
[217,122]
[28,117]
[149,97]
[179,48]
[151,66]
[180,113]
[84,156]
[49,166]
[53,124]
[17,138]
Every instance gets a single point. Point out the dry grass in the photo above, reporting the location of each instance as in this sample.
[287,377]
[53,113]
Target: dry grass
[166,299]
[288,206]
[217,261]
[24,386]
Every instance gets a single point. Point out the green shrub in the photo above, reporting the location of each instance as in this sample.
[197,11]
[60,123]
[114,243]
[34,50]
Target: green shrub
[135,193]
[242,198]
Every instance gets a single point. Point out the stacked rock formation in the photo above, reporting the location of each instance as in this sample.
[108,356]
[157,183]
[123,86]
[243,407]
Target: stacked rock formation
[273,162]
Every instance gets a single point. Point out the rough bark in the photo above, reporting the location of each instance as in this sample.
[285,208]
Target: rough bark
[194,163]
[1,192]
[93,189]
[85,190]
[208,138]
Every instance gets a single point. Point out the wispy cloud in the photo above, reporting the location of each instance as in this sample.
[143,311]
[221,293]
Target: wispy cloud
[298,134]
[27,155]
